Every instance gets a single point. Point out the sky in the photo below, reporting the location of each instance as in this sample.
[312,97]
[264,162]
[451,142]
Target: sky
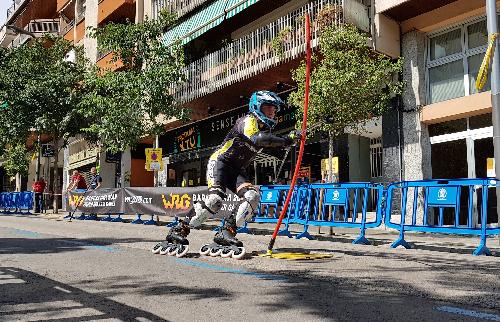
[4,5]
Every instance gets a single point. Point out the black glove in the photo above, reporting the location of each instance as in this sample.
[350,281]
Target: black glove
[295,135]
[289,141]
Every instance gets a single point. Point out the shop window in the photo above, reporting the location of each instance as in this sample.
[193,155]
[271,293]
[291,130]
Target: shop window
[448,127]
[480,121]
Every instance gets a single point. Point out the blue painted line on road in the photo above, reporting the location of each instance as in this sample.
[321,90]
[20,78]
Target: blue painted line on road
[34,234]
[108,249]
[25,232]
[474,314]
[225,269]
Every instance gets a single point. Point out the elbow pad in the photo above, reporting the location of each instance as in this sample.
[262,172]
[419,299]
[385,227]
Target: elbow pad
[267,140]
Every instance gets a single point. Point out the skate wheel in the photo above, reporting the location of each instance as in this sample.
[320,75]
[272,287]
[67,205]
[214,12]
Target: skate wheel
[182,250]
[173,250]
[157,248]
[205,249]
[226,252]
[240,253]
[214,252]
[164,250]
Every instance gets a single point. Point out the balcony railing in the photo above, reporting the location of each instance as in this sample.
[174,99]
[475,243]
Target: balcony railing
[101,54]
[180,7]
[13,8]
[255,53]
[6,36]
[67,28]
[38,28]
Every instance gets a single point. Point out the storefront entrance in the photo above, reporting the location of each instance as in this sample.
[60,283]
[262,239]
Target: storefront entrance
[460,149]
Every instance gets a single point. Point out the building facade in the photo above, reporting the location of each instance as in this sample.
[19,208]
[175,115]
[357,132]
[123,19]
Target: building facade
[76,16]
[443,126]
[234,48]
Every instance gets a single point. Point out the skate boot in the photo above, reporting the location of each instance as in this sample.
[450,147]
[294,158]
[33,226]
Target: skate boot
[225,243]
[176,243]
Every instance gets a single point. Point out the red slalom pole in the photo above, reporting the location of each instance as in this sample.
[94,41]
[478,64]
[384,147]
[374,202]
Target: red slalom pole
[302,138]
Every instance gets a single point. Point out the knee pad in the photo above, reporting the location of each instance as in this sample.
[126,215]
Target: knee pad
[205,208]
[251,199]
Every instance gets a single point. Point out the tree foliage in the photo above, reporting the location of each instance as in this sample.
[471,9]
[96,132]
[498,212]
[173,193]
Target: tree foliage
[16,159]
[41,91]
[135,100]
[350,83]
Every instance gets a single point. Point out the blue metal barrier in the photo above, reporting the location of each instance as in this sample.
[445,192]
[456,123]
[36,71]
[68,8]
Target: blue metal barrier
[16,202]
[443,196]
[3,201]
[271,202]
[25,201]
[340,205]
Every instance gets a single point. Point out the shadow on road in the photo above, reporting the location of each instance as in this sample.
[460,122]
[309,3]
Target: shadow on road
[30,296]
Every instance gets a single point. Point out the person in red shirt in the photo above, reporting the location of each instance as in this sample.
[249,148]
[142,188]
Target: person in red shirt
[38,189]
[77,181]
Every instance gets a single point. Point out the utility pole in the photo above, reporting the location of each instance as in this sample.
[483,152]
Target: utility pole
[156,144]
[38,159]
[491,16]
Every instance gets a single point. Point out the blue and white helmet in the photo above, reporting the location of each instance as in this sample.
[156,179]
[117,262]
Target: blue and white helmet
[260,98]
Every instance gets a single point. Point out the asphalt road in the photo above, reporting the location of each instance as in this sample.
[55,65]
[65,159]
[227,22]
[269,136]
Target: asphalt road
[54,270]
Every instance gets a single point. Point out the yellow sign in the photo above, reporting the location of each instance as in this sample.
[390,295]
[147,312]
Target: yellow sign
[490,168]
[335,165]
[153,160]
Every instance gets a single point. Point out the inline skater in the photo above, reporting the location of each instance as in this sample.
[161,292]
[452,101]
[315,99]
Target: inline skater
[226,170]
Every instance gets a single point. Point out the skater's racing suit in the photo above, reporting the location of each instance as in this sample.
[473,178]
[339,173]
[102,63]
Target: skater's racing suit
[226,167]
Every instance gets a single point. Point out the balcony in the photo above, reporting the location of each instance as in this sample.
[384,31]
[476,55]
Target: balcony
[67,28]
[61,4]
[105,63]
[15,7]
[180,7]
[401,10]
[255,53]
[38,28]
[6,36]
[115,10]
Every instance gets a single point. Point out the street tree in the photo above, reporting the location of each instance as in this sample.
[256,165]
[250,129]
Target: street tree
[136,99]
[40,90]
[350,83]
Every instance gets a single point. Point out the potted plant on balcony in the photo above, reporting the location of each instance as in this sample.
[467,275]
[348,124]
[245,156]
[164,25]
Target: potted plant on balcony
[278,43]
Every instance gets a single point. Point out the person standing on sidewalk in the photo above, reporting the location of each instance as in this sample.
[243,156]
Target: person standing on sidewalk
[38,189]
[77,182]
[95,179]
[95,183]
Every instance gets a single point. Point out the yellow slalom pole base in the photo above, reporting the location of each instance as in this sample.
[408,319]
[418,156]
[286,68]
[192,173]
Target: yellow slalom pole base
[296,256]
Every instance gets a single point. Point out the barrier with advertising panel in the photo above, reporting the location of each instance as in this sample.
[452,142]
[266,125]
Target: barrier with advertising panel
[168,201]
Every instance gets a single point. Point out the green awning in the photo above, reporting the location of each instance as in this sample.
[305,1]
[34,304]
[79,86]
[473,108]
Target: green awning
[207,19]
[235,6]
[176,33]
[198,24]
